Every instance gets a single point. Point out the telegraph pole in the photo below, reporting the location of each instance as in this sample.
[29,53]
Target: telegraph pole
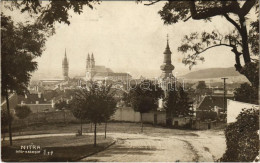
[224,99]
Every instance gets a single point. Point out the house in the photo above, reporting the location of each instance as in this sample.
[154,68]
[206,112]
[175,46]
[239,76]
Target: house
[36,102]
[211,107]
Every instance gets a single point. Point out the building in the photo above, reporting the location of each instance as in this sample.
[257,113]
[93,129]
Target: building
[96,72]
[167,66]
[65,67]
[212,106]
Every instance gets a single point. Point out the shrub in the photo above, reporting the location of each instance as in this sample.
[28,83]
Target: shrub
[242,138]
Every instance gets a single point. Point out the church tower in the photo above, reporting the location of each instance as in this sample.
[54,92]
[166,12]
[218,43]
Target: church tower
[167,66]
[65,67]
[88,63]
[92,61]
[90,68]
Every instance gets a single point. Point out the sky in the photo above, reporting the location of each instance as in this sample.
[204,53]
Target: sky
[126,37]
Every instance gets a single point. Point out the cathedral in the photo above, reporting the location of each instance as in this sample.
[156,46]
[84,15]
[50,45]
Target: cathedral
[95,72]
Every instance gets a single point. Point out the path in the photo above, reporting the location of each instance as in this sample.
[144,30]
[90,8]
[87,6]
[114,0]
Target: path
[200,146]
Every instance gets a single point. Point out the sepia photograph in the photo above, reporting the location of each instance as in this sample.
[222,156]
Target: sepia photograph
[130,81]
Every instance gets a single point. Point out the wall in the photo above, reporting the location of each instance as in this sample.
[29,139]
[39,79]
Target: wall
[126,114]
[235,107]
[149,117]
[40,107]
[64,116]
[182,121]
[199,125]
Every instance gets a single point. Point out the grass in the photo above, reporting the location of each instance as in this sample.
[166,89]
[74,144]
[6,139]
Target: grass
[122,127]
[64,148]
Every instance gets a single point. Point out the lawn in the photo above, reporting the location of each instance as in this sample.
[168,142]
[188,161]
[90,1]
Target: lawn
[118,127]
[62,148]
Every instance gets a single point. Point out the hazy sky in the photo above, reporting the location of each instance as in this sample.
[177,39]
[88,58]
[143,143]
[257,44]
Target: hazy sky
[127,37]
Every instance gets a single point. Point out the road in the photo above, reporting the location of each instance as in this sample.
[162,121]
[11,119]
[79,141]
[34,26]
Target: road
[204,146]
[181,145]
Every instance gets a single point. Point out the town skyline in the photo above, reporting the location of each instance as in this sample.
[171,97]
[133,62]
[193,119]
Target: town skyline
[135,46]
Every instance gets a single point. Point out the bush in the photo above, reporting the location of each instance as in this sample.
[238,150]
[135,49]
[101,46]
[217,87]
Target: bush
[206,115]
[242,138]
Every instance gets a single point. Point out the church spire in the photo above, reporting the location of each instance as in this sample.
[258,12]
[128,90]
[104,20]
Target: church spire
[92,57]
[65,66]
[167,66]
[167,49]
[88,58]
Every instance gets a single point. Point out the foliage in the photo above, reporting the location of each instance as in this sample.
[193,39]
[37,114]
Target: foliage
[246,93]
[201,85]
[21,43]
[4,119]
[242,137]
[206,115]
[176,103]
[22,111]
[240,41]
[126,98]
[144,97]
[61,105]
[95,103]
[52,11]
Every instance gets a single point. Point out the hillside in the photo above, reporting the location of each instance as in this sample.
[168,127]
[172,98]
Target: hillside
[212,73]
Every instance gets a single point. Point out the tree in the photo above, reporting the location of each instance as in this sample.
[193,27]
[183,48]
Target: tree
[61,105]
[5,121]
[110,107]
[21,43]
[44,10]
[126,99]
[144,97]
[201,85]
[246,93]
[176,103]
[240,41]
[78,110]
[95,103]
[22,112]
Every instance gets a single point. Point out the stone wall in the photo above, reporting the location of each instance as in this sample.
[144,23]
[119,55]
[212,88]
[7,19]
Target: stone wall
[126,114]
[64,116]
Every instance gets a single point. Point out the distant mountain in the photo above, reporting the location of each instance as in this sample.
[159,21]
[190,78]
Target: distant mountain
[212,73]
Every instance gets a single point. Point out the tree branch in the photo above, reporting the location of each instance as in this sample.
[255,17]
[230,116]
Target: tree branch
[207,13]
[187,19]
[232,22]
[153,2]
[247,7]
[216,46]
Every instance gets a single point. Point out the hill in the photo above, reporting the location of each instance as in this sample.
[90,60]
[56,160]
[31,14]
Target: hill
[212,73]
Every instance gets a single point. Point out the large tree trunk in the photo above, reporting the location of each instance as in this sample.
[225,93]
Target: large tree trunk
[64,117]
[244,35]
[80,126]
[105,129]
[250,70]
[9,118]
[141,122]
[95,134]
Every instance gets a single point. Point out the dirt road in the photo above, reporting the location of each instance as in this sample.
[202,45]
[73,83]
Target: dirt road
[156,144]
[204,146]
